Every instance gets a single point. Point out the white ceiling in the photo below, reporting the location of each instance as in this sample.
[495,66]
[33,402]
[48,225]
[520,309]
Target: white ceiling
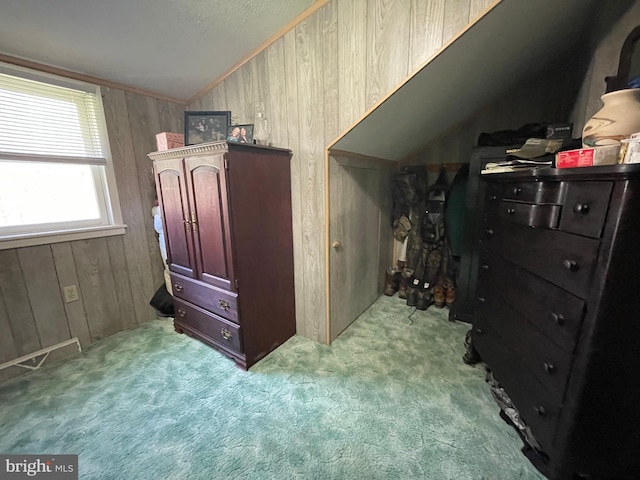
[171,47]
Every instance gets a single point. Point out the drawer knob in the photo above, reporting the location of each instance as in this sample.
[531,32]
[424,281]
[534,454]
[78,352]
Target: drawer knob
[570,265]
[581,208]
[484,266]
[549,367]
[493,197]
[489,231]
[223,305]
[540,410]
[482,299]
[558,318]
[226,334]
[517,190]
[479,331]
[182,312]
[511,211]
[177,287]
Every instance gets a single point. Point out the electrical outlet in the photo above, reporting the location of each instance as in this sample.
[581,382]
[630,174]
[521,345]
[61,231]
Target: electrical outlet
[71,293]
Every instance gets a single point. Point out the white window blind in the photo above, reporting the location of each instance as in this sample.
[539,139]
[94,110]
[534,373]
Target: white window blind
[56,177]
[48,121]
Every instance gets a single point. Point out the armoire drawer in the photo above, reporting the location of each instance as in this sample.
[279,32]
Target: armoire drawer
[225,333]
[563,259]
[585,208]
[531,215]
[530,398]
[542,358]
[529,192]
[220,302]
[554,311]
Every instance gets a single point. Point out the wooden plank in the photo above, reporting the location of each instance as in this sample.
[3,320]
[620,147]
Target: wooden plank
[136,245]
[7,343]
[329,50]
[276,86]
[124,293]
[456,17]
[171,118]
[16,301]
[97,287]
[427,26]
[219,98]
[388,47]
[311,126]
[478,7]
[45,294]
[144,123]
[352,61]
[293,138]
[261,98]
[236,101]
[66,272]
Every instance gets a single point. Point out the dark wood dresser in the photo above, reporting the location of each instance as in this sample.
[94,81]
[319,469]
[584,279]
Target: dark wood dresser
[226,211]
[557,312]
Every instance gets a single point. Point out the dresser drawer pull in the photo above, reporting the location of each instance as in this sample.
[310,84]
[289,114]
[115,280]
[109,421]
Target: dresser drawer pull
[581,208]
[226,334]
[517,190]
[484,266]
[570,265]
[511,211]
[479,331]
[493,197]
[224,305]
[177,286]
[558,318]
[182,312]
[489,231]
[549,367]
[540,410]
[482,299]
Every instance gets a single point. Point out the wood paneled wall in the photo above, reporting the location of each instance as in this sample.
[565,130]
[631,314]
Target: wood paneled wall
[116,276]
[318,80]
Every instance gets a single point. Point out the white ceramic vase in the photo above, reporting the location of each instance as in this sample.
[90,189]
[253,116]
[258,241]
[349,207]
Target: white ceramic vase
[617,119]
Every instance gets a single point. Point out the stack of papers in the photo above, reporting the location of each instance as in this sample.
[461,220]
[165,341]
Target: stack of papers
[515,165]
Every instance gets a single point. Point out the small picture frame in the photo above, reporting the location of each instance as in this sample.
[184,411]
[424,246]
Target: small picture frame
[203,127]
[240,133]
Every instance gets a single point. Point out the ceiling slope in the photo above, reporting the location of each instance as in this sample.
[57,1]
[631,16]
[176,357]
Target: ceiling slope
[514,39]
[170,47]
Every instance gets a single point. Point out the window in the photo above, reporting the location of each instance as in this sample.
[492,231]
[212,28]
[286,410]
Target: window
[56,177]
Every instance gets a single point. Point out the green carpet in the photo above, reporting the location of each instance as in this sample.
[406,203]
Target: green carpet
[389,399]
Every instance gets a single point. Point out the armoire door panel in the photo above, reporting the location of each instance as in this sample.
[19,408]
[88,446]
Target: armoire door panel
[207,186]
[175,210]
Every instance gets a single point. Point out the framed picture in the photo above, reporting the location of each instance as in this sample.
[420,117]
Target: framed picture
[240,133]
[202,127]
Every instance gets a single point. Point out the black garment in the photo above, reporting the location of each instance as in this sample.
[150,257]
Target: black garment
[162,301]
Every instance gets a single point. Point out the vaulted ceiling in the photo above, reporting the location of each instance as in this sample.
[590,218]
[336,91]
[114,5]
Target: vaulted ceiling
[171,47]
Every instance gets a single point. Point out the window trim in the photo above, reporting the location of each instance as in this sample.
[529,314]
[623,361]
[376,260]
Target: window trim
[105,183]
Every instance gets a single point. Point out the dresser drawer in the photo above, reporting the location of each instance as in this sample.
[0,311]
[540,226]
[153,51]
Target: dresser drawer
[225,333]
[543,358]
[529,192]
[585,208]
[220,302]
[554,311]
[561,258]
[531,215]
[530,398]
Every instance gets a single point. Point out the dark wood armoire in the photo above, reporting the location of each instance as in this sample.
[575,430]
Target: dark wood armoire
[226,211]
